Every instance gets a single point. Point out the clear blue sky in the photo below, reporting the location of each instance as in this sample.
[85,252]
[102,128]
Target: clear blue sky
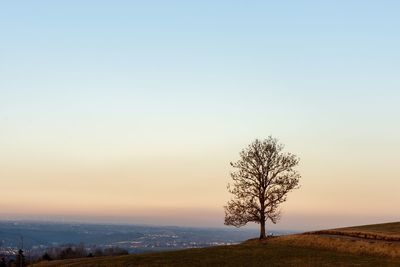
[85,84]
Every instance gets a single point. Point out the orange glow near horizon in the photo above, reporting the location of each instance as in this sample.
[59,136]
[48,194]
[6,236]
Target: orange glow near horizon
[132,112]
[190,190]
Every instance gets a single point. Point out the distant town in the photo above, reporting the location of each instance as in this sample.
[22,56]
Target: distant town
[38,238]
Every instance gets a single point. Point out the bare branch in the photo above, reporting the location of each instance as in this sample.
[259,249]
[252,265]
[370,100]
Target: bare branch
[263,177]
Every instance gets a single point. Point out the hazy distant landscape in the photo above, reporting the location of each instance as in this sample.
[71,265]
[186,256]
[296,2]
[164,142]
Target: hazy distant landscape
[39,237]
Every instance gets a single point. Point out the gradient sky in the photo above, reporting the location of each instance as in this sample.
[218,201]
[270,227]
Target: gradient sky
[130,111]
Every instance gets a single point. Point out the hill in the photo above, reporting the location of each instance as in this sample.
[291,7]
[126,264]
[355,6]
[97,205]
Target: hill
[384,231]
[309,249]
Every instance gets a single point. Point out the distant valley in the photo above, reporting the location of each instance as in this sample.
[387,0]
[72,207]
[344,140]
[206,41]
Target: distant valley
[36,238]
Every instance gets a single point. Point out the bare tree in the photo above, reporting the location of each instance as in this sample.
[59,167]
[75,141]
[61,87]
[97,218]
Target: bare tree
[263,177]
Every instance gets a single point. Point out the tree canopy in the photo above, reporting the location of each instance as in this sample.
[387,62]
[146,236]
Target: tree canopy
[262,178]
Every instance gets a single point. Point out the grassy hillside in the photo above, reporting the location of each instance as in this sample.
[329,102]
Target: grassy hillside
[384,231]
[383,228]
[293,250]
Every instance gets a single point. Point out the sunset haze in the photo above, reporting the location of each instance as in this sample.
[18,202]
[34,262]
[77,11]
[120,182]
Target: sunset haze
[131,112]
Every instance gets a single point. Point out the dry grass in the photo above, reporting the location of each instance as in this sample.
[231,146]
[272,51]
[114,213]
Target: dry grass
[354,246]
[358,234]
[385,231]
[379,239]
[392,228]
[274,252]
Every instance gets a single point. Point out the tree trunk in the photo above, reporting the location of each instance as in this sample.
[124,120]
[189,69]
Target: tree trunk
[262,229]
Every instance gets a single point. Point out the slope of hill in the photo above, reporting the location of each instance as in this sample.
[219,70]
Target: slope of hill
[292,250]
[382,228]
[384,231]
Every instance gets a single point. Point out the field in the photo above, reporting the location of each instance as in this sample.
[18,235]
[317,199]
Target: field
[391,229]
[384,231]
[309,249]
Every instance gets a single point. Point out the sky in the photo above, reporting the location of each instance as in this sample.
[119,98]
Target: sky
[130,111]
